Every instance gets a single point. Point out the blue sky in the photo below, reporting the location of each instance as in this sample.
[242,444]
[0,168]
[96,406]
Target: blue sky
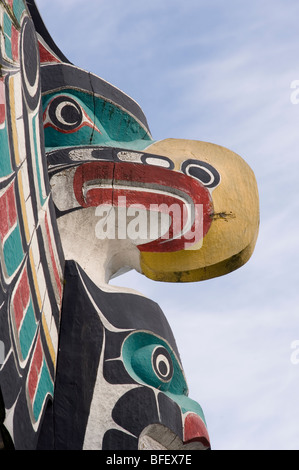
[218,72]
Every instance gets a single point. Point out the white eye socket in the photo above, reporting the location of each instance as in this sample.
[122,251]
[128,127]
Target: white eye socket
[154,160]
[162,364]
[130,157]
[146,159]
[203,172]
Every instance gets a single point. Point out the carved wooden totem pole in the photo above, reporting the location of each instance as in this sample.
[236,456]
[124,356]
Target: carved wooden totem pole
[85,193]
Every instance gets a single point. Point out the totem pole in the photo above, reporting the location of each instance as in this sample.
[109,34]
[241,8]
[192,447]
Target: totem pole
[85,194]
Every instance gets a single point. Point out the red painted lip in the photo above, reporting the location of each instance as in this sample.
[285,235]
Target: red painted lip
[196,431]
[97,183]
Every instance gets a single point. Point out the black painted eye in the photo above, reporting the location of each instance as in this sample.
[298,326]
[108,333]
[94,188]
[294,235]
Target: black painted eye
[162,364]
[202,171]
[65,113]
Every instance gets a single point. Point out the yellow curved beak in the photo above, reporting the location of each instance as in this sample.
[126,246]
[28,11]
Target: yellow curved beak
[231,239]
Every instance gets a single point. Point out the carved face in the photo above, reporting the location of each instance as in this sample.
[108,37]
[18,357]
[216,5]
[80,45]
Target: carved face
[187,209]
[122,346]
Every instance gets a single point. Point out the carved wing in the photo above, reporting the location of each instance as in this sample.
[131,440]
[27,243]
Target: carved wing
[31,260]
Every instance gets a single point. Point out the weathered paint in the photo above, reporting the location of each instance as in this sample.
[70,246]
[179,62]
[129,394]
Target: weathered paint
[122,346]
[231,239]
[71,144]
[29,243]
[97,120]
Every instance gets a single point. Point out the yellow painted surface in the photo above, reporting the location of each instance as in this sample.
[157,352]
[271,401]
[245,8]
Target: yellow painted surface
[231,239]
[34,275]
[49,340]
[23,206]
[13,119]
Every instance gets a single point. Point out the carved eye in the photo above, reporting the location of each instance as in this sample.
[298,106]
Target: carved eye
[66,115]
[153,364]
[162,364]
[202,171]
[151,361]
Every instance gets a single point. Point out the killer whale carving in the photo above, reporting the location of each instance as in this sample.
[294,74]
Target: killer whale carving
[88,365]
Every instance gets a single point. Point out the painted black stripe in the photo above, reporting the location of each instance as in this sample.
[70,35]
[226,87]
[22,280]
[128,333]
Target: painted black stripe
[42,30]
[60,76]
